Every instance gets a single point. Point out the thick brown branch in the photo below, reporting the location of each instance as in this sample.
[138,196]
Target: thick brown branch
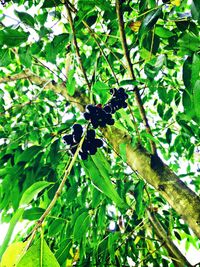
[177,194]
[131,73]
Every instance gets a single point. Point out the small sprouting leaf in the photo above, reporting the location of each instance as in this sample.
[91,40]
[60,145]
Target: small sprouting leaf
[32,192]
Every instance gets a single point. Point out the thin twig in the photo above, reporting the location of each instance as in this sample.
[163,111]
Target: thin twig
[103,53]
[56,196]
[76,44]
[132,75]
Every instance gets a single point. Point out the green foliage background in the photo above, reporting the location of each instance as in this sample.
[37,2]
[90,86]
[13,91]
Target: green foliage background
[34,117]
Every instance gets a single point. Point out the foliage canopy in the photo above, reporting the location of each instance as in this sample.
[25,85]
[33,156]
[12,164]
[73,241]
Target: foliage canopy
[118,207]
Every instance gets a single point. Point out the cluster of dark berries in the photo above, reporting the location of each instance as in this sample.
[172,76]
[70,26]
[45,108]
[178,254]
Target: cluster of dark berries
[102,116]
[98,116]
[90,143]
[117,101]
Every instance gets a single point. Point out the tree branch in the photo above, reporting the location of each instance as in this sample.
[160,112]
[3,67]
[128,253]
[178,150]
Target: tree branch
[177,257]
[131,73]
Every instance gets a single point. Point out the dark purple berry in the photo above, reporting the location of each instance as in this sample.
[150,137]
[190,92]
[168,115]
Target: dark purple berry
[87,116]
[77,128]
[98,142]
[83,155]
[68,139]
[90,108]
[111,122]
[90,134]
[125,105]
[93,150]
[107,109]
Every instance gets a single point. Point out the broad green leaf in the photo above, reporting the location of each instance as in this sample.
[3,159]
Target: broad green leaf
[50,53]
[81,225]
[149,21]
[33,214]
[32,192]
[12,38]
[51,3]
[71,194]
[71,83]
[60,41]
[163,32]
[195,8]
[56,226]
[138,194]
[195,69]
[190,42]
[28,154]
[13,254]
[38,255]
[5,58]
[102,182]
[25,18]
[25,56]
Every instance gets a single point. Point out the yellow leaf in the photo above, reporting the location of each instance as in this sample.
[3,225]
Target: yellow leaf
[12,254]
[135,25]
[176,2]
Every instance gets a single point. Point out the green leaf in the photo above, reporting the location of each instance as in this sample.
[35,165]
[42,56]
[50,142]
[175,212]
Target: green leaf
[189,41]
[81,226]
[38,255]
[195,8]
[25,18]
[33,214]
[138,194]
[28,154]
[13,254]
[196,98]
[122,150]
[51,3]
[5,58]
[102,181]
[71,83]
[32,192]
[71,193]
[163,32]
[12,38]
[148,22]
[101,89]
[60,41]
[25,56]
